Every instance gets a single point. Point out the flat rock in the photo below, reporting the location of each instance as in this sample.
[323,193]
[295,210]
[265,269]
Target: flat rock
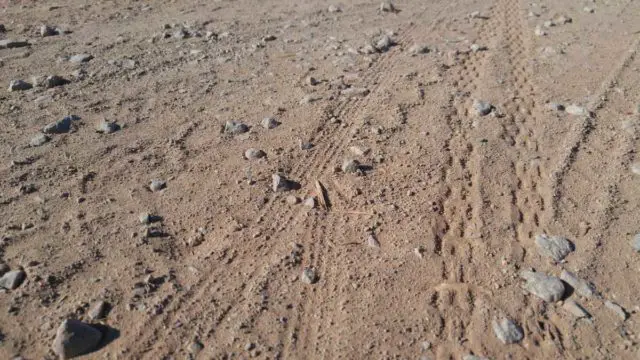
[384,43]
[75,338]
[355,92]
[12,279]
[372,241]
[580,286]
[417,49]
[477,48]
[269,123]
[234,127]
[635,242]
[507,331]
[80,58]
[157,185]
[38,140]
[98,310]
[481,108]
[473,357]
[554,247]
[254,154]
[309,276]
[19,85]
[617,309]
[547,288]
[350,166]
[10,44]
[60,126]
[635,168]
[575,309]
[576,110]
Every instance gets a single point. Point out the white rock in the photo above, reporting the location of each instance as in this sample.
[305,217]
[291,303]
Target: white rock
[539,32]
[576,110]
[309,276]
[350,166]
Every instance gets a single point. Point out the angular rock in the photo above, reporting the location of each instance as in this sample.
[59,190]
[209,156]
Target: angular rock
[38,140]
[280,183]
[157,185]
[19,85]
[98,311]
[372,241]
[234,127]
[476,48]
[4,268]
[309,276]
[384,43]
[617,309]
[481,108]
[418,49]
[547,288]
[350,166]
[555,106]
[55,80]
[254,154]
[269,123]
[507,331]
[635,242]
[576,110]
[359,151]
[75,338]
[12,279]
[473,357]
[10,43]
[555,247]
[107,127]
[387,6]
[635,168]
[46,30]
[81,58]
[581,287]
[312,81]
[575,309]
[60,126]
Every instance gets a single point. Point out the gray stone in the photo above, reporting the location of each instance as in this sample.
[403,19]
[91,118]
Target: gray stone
[359,151]
[312,81]
[617,309]
[576,110]
[107,127]
[75,338]
[81,58]
[280,183]
[507,331]
[580,286]
[310,98]
[19,85]
[157,185]
[350,166]
[309,276]
[234,127]
[60,126]
[384,43]
[482,108]
[38,140]
[635,242]
[355,92]
[10,43]
[575,309]
[334,9]
[4,268]
[46,30]
[254,154]
[269,123]
[372,241]
[195,347]
[98,310]
[547,288]
[555,247]
[55,80]
[12,279]
[418,49]
[539,32]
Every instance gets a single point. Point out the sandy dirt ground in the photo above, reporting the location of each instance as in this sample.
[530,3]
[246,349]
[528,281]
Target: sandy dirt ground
[449,138]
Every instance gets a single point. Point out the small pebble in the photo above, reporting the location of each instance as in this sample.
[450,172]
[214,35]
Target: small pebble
[269,123]
[312,81]
[280,183]
[384,43]
[107,127]
[293,200]
[555,247]
[195,347]
[309,276]
[38,140]
[482,108]
[635,242]
[254,154]
[476,48]
[588,10]
[310,202]
[46,30]
[387,6]
[576,110]
[372,241]
[539,32]
[233,127]
[418,49]
[60,126]
[563,19]
[157,185]
[580,286]
[355,92]
[555,106]
[617,309]
[55,80]
[334,9]
[359,151]
[81,58]
[635,168]
[575,309]
[350,166]
[547,288]
[507,331]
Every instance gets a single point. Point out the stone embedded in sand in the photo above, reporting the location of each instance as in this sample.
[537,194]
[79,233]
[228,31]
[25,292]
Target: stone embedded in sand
[280,183]
[576,110]
[617,309]
[635,168]
[269,123]
[58,127]
[580,286]
[473,357]
[80,58]
[383,43]
[107,127]
[555,106]
[355,92]
[549,23]
[292,200]
[507,331]
[10,43]
[75,338]
[334,9]
[372,241]
[547,288]
[157,185]
[55,80]
[46,30]
[635,243]
[418,49]
[98,310]
[350,166]
[310,202]
[387,6]
[12,279]
[539,32]
[555,247]
[312,81]
[482,108]
[563,19]
[309,276]
[19,85]
[476,48]
[588,10]
[254,154]
[38,140]
[234,127]
[575,309]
